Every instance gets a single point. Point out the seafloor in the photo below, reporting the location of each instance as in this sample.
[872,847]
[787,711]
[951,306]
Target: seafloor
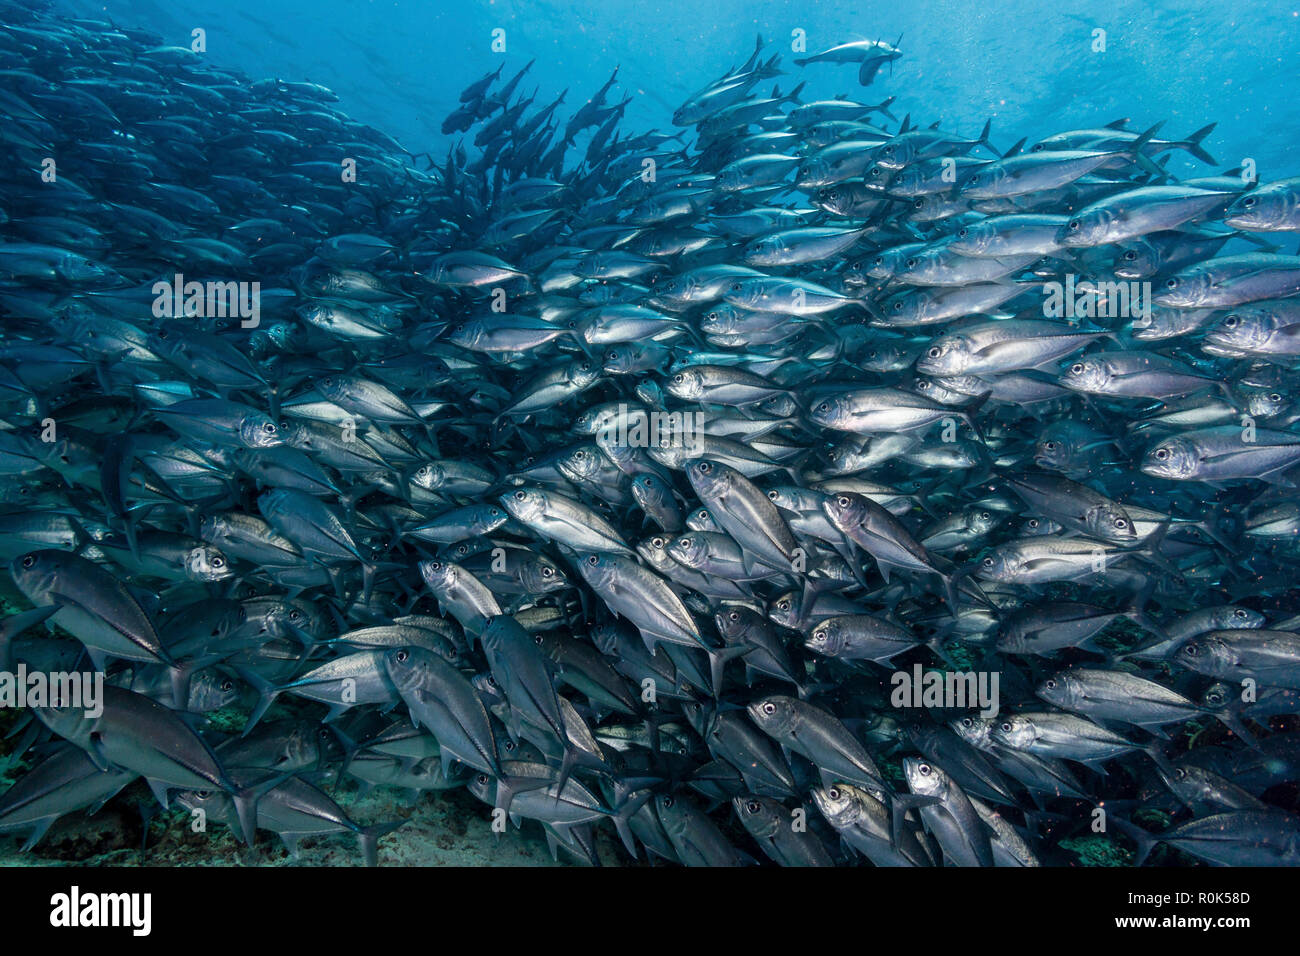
[444,828]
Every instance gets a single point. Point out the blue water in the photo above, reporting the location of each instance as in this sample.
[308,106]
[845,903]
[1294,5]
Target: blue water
[1028,64]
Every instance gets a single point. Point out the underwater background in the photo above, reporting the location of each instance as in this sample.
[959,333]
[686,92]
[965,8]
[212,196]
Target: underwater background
[1028,65]
[1032,68]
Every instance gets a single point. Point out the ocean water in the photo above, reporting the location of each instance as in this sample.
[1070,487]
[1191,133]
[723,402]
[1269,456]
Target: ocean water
[1028,68]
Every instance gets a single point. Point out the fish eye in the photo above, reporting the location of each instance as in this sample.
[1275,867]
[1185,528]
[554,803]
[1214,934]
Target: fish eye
[1049,446]
[1162,454]
[1191,650]
[784,606]
[538,640]
[227,684]
[683,542]
[1121,523]
[1249,201]
[824,407]
[667,802]
[402,656]
[1240,612]
[898,306]
[705,467]
[843,501]
[934,352]
[984,516]
[657,543]
[218,563]
[918,203]
[29,561]
[769,708]
[203,794]
[911,262]
[833,793]
[520,495]
[1076,368]
[1274,397]
[963,232]
[1074,225]
[773,495]
[1006,727]
[1171,284]
[481,780]
[988,562]
[1130,255]
[967,722]
[592,561]
[491,681]
[1033,522]
[753,806]
[679,378]
[1050,684]
[924,770]
[734,616]
[268,428]
[1230,322]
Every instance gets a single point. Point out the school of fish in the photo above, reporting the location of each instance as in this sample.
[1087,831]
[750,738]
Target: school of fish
[623,478]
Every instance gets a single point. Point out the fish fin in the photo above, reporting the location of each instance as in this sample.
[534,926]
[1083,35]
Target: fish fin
[623,817]
[159,789]
[16,624]
[899,805]
[1193,144]
[1141,143]
[368,839]
[1145,841]
[266,691]
[39,829]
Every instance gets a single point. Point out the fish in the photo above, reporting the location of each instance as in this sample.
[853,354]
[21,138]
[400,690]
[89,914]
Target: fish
[622,477]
